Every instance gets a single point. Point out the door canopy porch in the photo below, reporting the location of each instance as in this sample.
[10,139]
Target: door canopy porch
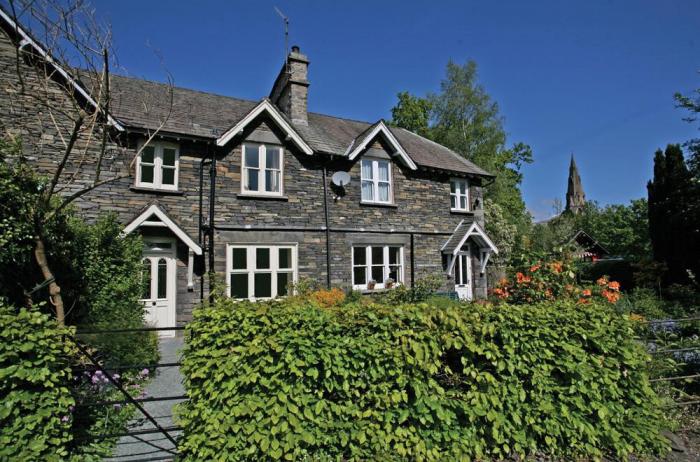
[468,230]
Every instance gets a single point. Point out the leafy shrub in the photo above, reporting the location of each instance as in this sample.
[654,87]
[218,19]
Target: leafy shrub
[283,380]
[34,380]
[422,289]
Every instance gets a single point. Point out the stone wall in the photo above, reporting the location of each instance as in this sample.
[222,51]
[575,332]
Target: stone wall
[421,199]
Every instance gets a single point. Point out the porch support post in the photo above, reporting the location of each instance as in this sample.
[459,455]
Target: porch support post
[190,270]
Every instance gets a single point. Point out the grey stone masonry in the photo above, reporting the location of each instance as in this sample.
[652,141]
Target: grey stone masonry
[419,217]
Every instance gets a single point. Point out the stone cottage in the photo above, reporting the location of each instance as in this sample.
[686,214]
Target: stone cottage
[264,193]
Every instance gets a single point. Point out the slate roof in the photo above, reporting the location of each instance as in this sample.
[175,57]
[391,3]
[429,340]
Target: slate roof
[144,104]
[458,235]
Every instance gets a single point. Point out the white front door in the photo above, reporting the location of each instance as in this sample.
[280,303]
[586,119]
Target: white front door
[159,283]
[463,274]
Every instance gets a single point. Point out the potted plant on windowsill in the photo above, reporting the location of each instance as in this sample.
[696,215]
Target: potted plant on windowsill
[389,283]
[370,284]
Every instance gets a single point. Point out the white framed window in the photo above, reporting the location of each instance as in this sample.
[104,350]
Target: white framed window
[257,272]
[376,181]
[377,263]
[459,194]
[158,165]
[262,169]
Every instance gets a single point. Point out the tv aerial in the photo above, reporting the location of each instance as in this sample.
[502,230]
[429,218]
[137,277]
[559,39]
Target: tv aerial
[286,37]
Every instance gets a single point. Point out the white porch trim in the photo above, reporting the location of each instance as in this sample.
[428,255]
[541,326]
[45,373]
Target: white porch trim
[487,247]
[154,210]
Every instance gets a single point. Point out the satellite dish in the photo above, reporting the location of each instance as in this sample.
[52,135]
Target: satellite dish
[341,179]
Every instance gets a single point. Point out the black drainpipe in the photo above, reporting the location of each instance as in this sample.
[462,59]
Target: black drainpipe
[212,199]
[201,217]
[413,263]
[328,231]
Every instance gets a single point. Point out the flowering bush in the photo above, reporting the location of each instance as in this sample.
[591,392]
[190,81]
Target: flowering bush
[553,280]
[328,297]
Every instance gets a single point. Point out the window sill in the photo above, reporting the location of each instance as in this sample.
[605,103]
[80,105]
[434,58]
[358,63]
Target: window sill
[262,197]
[461,212]
[169,192]
[379,204]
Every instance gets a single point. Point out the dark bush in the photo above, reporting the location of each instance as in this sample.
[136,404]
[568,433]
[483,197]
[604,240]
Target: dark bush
[281,380]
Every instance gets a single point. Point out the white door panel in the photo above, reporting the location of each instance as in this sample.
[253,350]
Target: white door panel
[158,269]
[463,274]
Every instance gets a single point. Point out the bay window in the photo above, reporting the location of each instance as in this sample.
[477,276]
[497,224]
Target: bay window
[459,194]
[377,266]
[376,181]
[157,166]
[260,271]
[262,169]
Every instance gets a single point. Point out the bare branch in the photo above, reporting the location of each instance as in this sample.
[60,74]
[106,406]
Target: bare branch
[66,155]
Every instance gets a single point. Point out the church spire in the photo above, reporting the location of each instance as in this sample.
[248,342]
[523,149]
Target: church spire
[575,197]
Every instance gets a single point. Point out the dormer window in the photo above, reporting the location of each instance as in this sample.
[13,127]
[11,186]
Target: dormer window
[262,169]
[157,166]
[459,194]
[376,181]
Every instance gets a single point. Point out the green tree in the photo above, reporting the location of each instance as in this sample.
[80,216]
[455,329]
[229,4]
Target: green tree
[691,103]
[672,216]
[463,117]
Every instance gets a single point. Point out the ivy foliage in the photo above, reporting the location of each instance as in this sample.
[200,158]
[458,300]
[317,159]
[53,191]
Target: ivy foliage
[34,386]
[290,381]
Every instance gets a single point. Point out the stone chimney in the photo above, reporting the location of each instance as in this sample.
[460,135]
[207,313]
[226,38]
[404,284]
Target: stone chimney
[291,89]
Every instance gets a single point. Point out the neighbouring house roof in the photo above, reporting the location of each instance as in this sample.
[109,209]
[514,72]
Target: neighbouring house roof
[147,105]
[465,229]
[587,243]
[154,215]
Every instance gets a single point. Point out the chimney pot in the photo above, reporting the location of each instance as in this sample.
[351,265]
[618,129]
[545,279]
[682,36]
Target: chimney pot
[295,49]
[291,88]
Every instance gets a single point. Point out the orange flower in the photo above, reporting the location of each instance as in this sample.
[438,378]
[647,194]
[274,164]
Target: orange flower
[612,297]
[586,292]
[614,285]
[534,268]
[570,288]
[548,293]
[521,278]
[503,282]
[602,282]
[583,301]
[556,266]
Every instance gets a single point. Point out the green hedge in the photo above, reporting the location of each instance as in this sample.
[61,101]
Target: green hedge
[286,380]
[35,400]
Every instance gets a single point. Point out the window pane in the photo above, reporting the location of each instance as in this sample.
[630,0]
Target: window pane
[146,278]
[148,154]
[453,202]
[239,259]
[366,169]
[384,192]
[251,156]
[453,186]
[169,157]
[251,179]
[239,285]
[162,278]
[383,168]
[359,255]
[463,202]
[394,254]
[262,258]
[169,176]
[272,180]
[283,280]
[463,261]
[395,273]
[377,255]
[359,275]
[367,191]
[378,274]
[147,173]
[285,258]
[273,158]
[263,285]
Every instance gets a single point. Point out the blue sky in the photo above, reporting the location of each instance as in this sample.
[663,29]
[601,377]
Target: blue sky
[595,78]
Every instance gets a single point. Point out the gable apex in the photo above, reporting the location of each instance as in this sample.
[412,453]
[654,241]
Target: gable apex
[362,141]
[265,106]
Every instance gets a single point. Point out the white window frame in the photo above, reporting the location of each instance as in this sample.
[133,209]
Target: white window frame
[262,166]
[375,181]
[251,270]
[368,266]
[158,147]
[459,194]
